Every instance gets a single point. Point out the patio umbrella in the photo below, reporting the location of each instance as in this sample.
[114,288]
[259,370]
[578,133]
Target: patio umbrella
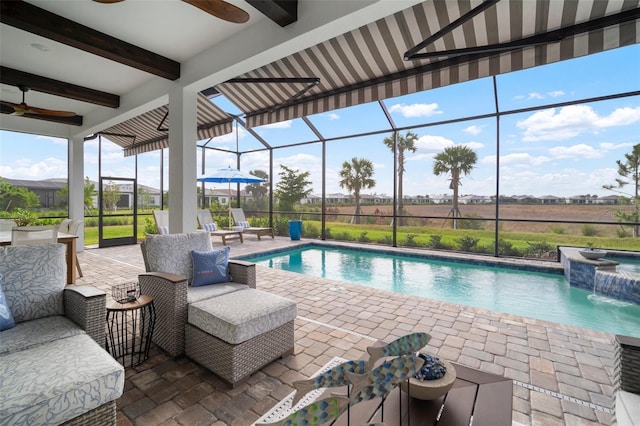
[230,176]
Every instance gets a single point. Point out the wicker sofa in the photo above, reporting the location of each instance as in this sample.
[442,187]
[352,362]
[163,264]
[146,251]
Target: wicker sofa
[231,328]
[53,368]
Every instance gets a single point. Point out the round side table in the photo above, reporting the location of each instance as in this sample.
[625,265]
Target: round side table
[130,329]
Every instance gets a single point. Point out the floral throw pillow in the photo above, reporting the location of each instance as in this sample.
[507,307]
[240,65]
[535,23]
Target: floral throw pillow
[210,267]
[6,319]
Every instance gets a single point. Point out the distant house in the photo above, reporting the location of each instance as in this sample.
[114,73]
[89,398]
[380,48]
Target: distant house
[46,190]
[311,199]
[475,199]
[337,198]
[608,199]
[441,198]
[582,199]
[550,199]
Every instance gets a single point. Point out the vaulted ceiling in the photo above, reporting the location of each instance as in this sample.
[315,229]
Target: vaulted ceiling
[118,61]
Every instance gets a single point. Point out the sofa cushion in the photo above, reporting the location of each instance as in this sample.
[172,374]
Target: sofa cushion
[239,316]
[57,381]
[627,406]
[33,279]
[29,334]
[172,253]
[196,294]
[6,319]
[210,267]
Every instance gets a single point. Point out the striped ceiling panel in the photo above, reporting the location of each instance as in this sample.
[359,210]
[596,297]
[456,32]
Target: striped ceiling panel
[367,64]
[149,131]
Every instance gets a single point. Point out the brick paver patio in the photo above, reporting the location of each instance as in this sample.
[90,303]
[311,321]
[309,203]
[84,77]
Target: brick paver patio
[562,375]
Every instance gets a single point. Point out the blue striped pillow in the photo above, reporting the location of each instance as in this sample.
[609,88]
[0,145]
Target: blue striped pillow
[210,227]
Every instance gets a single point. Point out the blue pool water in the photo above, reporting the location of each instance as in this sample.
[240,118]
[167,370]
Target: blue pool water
[539,295]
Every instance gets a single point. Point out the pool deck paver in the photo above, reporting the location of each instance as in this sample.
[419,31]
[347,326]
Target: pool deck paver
[552,362]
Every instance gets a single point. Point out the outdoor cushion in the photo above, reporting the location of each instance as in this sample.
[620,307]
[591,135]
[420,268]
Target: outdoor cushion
[172,253]
[6,319]
[33,280]
[211,227]
[163,230]
[57,381]
[239,316]
[29,334]
[210,267]
[627,408]
[196,294]
[243,223]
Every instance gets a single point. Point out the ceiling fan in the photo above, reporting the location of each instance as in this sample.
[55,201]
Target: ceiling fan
[218,8]
[23,108]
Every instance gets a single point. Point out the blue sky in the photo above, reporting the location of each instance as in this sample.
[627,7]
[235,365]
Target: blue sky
[559,151]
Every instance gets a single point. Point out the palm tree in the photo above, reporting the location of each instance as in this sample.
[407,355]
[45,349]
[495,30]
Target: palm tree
[455,161]
[629,172]
[405,143]
[357,175]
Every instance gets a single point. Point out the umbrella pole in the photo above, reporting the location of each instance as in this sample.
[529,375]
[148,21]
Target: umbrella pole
[229,225]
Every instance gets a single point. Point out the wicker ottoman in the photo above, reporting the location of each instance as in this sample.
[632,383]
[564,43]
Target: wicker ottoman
[236,334]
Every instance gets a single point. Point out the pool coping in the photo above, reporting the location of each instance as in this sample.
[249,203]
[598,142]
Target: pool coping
[468,258]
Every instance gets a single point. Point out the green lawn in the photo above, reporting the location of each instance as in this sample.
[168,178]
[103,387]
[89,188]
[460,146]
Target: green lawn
[424,237]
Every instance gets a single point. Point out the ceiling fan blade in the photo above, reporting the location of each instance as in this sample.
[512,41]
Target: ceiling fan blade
[18,109]
[22,109]
[221,9]
[51,112]
[108,1]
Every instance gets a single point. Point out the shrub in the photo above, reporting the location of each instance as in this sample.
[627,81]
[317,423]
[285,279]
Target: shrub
[24,217]
[310,230]
[468,243]
[470,222]
[435,242]
[538,249]
[557,229]
[589,230]
[387,240]
[505,248]
[411,240]
[150,226]
[363,237]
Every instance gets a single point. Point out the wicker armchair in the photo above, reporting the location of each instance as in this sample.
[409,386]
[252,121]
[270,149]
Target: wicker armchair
[171,293]
[627,381]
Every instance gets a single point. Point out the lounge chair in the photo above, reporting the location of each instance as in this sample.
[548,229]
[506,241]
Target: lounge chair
[207,223]
[162,221]
[240,220]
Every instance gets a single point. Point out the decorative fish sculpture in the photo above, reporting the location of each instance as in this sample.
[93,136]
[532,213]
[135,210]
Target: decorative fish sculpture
[405,345]
[381,380]
[316,413]
[330,378]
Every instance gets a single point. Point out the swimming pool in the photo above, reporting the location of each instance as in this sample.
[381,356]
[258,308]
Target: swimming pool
[527,293]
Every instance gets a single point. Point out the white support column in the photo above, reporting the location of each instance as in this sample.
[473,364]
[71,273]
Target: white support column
[76,184]
[182,159]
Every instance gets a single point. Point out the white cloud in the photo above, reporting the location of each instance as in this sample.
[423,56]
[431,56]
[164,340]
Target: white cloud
[571,121]
[433,143]
[35,171]
[555,93]
[332,116]
[608,146]
[279,125]
[473,145]
[578,152]
[416,110]
[535,95]
[619,117]
[517,160]
[473,130]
